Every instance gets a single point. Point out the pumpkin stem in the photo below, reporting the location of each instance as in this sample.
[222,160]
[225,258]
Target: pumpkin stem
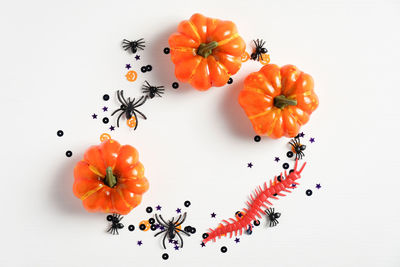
[205,50]
[110,179]
[281,101]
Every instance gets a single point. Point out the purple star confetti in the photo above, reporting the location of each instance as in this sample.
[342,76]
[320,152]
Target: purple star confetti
[178,210]
[105,109]
[112,128]
[294,185]
[237,240]
[301,134]
[176,248]
[128,66]
[139,242]
[137,57]
[162,228]
[171,241]
[94,116]
[249,165]
[277,159]
[202,244]
[213,215]
[312,140]
[318,186]
[176,242]
[158,207]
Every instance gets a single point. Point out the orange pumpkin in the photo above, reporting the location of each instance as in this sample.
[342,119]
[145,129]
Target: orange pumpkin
[278,100]
[206,51]
[110,178]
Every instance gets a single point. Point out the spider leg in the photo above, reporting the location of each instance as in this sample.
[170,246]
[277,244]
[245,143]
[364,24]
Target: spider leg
[122,113]
[137,104]
[165,236]
[177,220]
[182,231]
[165,224]
[180,237]
[159,233]
[161,223]
[183,219]
[144,117]
[137,123]
[262,42]
[123,98]
[139,40]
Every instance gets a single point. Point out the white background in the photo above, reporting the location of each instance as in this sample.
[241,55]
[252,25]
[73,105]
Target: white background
[58,58]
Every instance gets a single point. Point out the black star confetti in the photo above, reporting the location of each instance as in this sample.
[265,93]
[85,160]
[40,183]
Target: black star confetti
[112,128]
[249,165]
[202,244]
[128,66]
[140,243]
[301,134]
[158,207]
[105,109]
[213,215]
[237,240]
[178,210]
[277,159]
[137,57]
[94,116]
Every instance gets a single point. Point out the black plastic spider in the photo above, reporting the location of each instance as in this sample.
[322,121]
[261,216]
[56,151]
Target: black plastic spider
[129,107]
[152,90]
[272,216]
[171,228]
[297,147]
[115,223]
[259,50]
[133,45]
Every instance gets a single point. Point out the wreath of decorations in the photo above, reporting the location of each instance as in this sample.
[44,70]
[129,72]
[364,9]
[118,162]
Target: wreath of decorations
[206,52]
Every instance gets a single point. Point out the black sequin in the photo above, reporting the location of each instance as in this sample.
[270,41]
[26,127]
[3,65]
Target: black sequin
[188,229]
[149,209]
[224,249]
[166,50]
[153,227]
[143,69]
[131,227]
[205,235]
[308,192]
[175,85]
[142,226]
[152,221]
[285,166]
[60,133]
[187,203]
[106,97]
[256,222]
[149,68]
[105,120]
[165,256]
[257,138]
[230,81]
[68,153]
[193,230]
[289,154]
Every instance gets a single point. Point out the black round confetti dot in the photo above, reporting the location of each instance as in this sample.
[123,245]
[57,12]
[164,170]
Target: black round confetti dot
[279,178]
[256,222]
[143,69]
[142,226]
[205,235]
[187,203]
[175,85]
[149,68]
[275,194]
[291,171]
[249,231]
[165,256]
[257,138]
[153,227]
[131,227]
[106,97]
[230,81]
[308,192]
[193,230]
[188,229]
[152,221]
[60,133]
[149,209]
[109,218]
[105,120]
[289,154]
[285,166]
[68,153]
[166,50]
[224,249]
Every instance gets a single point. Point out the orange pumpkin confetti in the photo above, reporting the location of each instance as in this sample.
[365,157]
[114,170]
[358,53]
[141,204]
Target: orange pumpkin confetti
[131,75]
